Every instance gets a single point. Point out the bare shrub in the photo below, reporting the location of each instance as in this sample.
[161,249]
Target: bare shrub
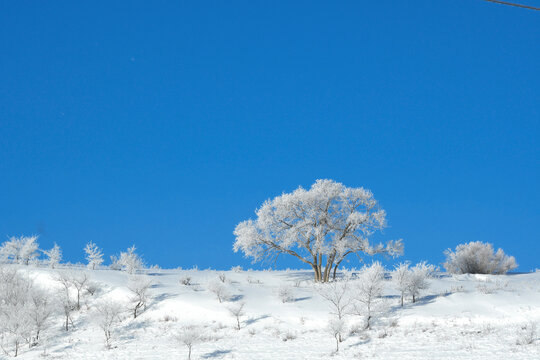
[222,277]
[252,280]
[169,318]
[288,335]
[237,269]
[186,280]
[457,289]
[486,289]
[93,288]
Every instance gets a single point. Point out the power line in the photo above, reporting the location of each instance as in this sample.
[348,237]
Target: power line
[513,4]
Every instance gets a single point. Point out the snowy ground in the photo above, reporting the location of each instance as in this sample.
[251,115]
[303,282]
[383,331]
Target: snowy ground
[459,317]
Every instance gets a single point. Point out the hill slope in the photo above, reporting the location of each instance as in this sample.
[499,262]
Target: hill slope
[459,317]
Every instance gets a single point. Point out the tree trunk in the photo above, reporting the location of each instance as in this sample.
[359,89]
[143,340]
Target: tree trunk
[319,266]
[336,267]
[316,273]
[328,268]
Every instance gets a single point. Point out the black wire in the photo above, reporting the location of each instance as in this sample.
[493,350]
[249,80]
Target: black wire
[513,4]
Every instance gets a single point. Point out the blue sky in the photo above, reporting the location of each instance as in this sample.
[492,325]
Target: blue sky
[164,124]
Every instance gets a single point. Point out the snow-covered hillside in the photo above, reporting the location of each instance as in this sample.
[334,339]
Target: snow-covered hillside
[458,317]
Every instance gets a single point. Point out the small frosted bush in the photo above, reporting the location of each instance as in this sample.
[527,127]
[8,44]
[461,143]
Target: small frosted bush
[219,289]
[527,334]
[478,258]
[285,294]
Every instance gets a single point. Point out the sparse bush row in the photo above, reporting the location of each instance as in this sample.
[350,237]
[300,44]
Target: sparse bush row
[24,250]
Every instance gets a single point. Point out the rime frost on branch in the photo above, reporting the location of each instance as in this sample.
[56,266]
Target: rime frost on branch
[128,261]
[94,256]
[320,226]
[478,258]
[20,250]
[54,256]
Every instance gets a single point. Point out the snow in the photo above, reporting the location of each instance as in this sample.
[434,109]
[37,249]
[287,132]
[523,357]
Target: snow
[458,317]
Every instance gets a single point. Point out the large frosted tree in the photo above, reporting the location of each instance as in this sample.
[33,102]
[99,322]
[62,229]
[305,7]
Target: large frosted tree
[320,226]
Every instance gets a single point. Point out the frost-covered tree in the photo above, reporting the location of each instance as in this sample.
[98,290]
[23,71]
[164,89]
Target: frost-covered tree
[115,263]
[219,289]
[54,256]
[94,255]
[128,261]
[237,310]
[367,292]
[106,316]
[478,258]
[320,226]
[76,280]
[336,327]
[15,322]
[138,287]
[337,293]
[65,299]
[41,310]
[418,279]
[79,280]
[20,250]
[190,336]
[400,279]
[10,251]
[29,249]
[67,306]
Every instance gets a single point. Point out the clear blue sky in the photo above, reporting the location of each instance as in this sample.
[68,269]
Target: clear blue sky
[164,124]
